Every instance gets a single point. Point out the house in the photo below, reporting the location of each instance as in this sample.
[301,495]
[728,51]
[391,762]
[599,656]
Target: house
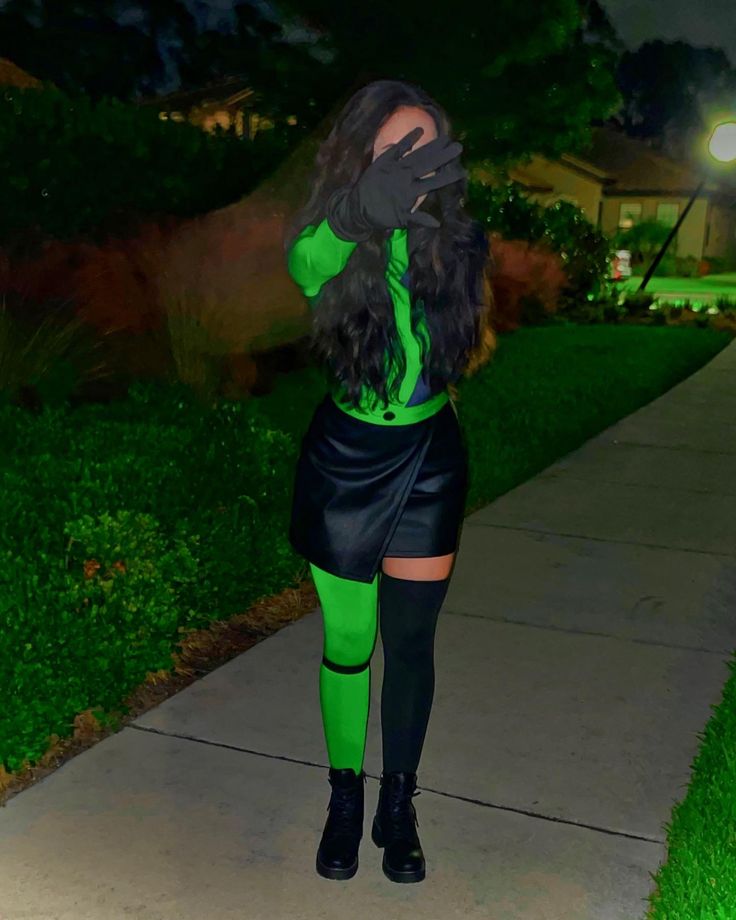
[12,75]
[230,104]
[618,181]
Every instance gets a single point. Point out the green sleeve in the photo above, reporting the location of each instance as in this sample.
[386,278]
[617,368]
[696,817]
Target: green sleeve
[317,255]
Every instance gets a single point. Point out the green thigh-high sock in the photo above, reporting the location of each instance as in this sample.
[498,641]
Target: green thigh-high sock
[350,618]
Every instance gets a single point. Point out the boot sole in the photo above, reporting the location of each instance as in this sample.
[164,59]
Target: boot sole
[415,875]
[332,873]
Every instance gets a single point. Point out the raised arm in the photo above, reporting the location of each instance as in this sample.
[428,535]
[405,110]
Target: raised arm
[317,255]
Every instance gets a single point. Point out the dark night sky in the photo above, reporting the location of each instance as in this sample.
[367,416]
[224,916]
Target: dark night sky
[708,23]
[704,23]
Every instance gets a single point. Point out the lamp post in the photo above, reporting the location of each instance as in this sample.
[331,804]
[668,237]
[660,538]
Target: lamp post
[722,147]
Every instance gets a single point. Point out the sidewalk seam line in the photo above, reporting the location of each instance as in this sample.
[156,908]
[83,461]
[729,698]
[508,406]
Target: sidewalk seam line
[577,536]
[585,632]
[608,440]
[565,474]
[448,795]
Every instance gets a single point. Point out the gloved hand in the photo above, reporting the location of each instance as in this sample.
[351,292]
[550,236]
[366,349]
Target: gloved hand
[387,190]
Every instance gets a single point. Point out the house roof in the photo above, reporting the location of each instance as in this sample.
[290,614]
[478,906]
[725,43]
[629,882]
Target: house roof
[229,91]
[12,75]
[637,169]
[531,181]
[587,168]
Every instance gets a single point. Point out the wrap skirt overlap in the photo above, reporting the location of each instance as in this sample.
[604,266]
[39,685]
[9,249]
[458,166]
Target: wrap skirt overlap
[363,491]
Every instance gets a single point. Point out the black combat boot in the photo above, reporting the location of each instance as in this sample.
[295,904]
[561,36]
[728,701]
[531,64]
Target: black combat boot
[337,855]
[394,828]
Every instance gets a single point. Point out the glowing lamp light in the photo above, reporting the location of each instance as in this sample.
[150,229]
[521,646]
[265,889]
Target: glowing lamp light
[722,145]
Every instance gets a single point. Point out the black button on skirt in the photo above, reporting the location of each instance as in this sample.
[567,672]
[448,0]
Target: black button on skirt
[364,491]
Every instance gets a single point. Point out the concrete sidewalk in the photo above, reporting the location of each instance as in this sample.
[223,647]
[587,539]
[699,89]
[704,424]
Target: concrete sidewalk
[582,644]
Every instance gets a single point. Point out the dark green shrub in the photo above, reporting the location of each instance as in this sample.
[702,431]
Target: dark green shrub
[588,312]
[133,524]
[637,303]
[507,210]
[717,264]
[91,628]
[613,312]
[672,265]
[686,266]
[725,304]
[667,268]
[644,240]
[584,250]
[532,312]
[71,166]
[702,319]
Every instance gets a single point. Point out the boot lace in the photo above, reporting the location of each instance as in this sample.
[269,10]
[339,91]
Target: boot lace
[401,817]
[342,808]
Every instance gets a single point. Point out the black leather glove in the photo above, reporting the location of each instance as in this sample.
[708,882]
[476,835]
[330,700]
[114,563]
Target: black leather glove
[387,190]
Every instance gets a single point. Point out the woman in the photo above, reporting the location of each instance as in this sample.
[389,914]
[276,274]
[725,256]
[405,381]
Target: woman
[400,302]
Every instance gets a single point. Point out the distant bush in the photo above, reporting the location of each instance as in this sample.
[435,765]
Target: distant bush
[562,227]
[526,281]
[73,167]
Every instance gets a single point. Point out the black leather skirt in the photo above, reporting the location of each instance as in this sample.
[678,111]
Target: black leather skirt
[363,491]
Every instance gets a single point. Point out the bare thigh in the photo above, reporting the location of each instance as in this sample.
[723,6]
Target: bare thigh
[423,568]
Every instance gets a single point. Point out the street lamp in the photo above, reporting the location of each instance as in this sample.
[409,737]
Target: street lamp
[722,147]
[722,144]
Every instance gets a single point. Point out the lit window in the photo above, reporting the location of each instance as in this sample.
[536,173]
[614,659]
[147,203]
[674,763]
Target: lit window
[628,214]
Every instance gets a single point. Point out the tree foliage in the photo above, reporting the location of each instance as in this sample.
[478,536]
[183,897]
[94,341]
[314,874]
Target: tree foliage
[672,92]
[515,78]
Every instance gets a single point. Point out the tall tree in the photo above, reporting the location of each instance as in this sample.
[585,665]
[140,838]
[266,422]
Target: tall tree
[671,93]
[516,78]
[597,26]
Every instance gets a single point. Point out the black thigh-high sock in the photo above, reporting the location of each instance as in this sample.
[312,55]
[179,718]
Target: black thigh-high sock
[408,613]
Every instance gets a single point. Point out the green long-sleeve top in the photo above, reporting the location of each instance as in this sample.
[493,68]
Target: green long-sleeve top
[318,254]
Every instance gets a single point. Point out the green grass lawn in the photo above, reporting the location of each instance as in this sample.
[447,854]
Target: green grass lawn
[709,286]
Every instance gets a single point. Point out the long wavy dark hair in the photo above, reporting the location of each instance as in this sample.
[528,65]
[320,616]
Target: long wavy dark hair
[353,327]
